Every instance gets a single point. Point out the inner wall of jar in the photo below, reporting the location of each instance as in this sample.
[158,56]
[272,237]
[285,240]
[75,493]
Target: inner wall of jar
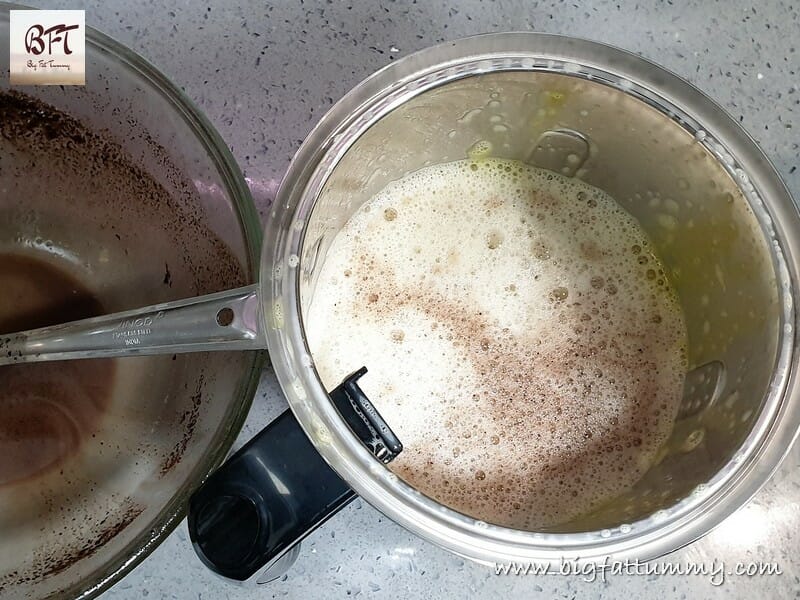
[701,224]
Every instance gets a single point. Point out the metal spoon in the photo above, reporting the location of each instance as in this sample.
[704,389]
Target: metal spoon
[228,320]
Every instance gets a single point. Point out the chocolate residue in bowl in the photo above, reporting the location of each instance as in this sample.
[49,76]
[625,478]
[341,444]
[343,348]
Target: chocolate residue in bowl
[108,528]
[189,421]
[48,409]
[59,146]
[61,174]
[49,562]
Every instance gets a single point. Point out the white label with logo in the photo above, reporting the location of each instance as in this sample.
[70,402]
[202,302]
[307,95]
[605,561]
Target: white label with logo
[48,47]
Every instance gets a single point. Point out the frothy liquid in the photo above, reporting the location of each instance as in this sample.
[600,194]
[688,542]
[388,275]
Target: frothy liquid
[521,337]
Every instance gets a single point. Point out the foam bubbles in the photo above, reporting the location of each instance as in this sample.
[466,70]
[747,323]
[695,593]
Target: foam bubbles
[520,335]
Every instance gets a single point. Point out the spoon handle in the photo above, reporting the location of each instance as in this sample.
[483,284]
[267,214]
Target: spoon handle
[229,320]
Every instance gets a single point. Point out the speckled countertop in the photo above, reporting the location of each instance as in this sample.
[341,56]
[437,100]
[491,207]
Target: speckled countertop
[265,72]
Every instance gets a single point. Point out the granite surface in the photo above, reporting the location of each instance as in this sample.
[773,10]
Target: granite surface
[265,72]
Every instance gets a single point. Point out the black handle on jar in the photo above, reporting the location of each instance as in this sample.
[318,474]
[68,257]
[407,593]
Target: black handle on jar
[252,512]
